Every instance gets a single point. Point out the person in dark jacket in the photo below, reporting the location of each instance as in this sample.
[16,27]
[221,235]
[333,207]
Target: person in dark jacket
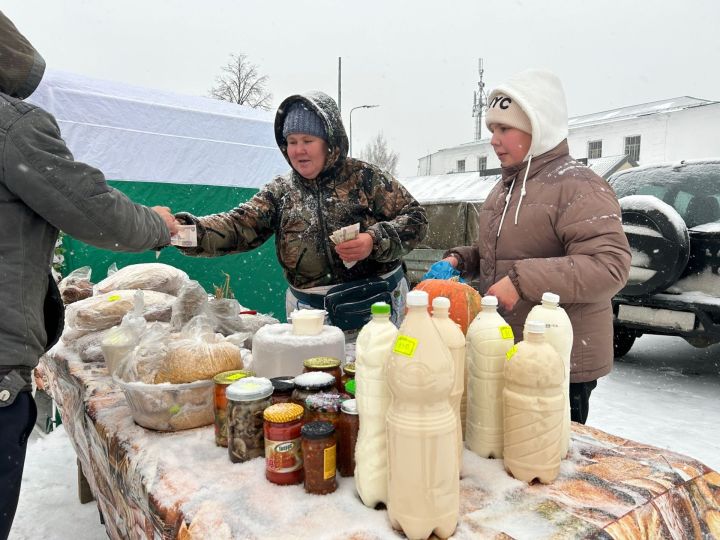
[43,190]
[325,191]
[549,225]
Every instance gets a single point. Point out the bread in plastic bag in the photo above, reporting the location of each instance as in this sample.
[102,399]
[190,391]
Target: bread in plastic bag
[146,276]
[198,353]
[120,340]
[88,346]
[76,285]
[106,310]
[227,317]
[191,301]
[143,362]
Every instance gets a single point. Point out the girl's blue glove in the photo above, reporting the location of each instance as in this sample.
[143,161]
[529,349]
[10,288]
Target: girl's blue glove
[441,270]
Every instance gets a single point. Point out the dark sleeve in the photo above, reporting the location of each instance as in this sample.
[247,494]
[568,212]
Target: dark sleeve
[73,196]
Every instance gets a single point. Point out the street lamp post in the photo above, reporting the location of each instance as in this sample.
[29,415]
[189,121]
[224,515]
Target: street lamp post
[351,111]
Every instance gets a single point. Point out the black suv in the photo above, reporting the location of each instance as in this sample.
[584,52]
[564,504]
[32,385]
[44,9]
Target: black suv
[671,216]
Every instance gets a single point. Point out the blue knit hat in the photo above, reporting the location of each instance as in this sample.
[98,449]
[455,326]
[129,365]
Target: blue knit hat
[300,119]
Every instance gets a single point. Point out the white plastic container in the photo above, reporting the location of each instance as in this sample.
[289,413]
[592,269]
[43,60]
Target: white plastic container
[307,322]
[372,353]
[489,338]
[277,351]
[454,338]
[423,468]
[533,408]
[559,334]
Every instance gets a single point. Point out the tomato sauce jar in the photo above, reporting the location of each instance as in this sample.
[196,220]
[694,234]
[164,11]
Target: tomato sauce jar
[319,453]
[283,449]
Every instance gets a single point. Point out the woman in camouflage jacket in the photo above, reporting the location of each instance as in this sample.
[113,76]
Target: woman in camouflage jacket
[325,191]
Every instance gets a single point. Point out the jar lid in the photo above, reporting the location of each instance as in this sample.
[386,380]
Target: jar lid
[349,368]
[380,308]
[229,377]
[349,406]
[313,380]
[317,430]
[321,362]
[283,412]
[323,402]
[249,389]
[350,387]
[283,385]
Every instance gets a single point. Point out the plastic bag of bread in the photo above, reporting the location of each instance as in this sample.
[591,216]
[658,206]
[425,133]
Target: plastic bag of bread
[76,285]
[146,276]
[88,346]
[229,317]
[119,341]
[143,362]
[191,301]
[198,353]
[106,310]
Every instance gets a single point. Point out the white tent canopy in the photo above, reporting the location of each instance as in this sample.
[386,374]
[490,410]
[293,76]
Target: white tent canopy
[140,134]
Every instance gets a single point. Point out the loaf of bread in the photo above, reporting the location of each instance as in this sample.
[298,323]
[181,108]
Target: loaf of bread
[146,276]
[191,360]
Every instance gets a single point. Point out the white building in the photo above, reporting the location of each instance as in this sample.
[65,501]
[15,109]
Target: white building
[661,131]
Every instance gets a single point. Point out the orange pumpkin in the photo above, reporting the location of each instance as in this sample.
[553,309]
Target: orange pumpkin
[464,300]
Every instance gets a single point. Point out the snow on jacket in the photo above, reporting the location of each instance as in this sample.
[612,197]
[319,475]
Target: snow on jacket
[302,214]
[42,189]
[563,235]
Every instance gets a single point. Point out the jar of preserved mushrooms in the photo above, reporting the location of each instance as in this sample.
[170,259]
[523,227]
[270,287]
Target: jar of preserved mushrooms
[222,381]
[307,384]
[318,448]
[247,399]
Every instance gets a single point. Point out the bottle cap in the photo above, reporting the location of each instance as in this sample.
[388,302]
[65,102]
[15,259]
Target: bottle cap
[283,412]
[380,308]
[314,380]
[489,301]
[535,327]
[283,384]
[321,362]
[349,406]
[249,389]
[441,302]
[350,387]
[317,430]
[551,297]
[417,298]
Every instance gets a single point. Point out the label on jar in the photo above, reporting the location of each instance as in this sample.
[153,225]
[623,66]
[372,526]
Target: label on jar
[329,465]
[283,456]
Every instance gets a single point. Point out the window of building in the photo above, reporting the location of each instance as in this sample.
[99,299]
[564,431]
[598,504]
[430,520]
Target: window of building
[632,147]
[594,149]
[482,163]
[460,165]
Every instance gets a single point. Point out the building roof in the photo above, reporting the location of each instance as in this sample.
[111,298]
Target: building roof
[470,187]
[607,165]
[643,109]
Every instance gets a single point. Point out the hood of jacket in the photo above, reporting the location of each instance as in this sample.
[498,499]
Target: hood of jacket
[540,95]
[21,66]
[326,108]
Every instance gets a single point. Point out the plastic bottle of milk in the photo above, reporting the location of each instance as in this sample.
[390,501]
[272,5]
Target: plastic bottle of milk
[559,334]
[423,469]
[533,407]
[454,338]
[372,353]
[489,338]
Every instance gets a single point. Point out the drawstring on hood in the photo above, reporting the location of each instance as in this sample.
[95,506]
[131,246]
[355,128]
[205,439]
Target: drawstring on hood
[540,95]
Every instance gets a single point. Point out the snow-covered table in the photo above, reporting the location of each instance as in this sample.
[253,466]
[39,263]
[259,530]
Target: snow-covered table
[180,485]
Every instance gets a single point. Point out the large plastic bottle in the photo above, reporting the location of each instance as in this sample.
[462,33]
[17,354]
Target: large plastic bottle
[423,468]
[489,338]
[454,338]
[372,353]
[559,334]
[533,407]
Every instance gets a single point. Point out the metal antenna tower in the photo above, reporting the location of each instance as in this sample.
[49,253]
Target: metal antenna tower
[479,101]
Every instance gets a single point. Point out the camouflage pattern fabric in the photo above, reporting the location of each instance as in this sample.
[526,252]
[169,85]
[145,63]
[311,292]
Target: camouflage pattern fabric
[302,214]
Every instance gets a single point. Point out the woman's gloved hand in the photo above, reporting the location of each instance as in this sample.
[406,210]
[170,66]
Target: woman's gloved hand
[441,270]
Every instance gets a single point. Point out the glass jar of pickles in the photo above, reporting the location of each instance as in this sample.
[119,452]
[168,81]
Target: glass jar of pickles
[247,399]
[347,434]
[319,452]
[282,389]
[283,449]
[323,407]
[326,364]
[222,381]
[307,384]
[348,373]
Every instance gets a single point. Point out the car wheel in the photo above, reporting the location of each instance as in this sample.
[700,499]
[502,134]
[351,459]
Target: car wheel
[659,242]
[623,340]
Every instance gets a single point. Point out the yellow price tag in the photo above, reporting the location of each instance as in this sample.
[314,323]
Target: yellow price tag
[511,352]
[506,332]
[405,345]
[236,376]
[114,298]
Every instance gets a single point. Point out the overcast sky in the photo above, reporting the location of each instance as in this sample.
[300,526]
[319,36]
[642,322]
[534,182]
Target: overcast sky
[416,59]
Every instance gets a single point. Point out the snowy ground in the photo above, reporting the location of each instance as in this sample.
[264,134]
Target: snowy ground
[663,393]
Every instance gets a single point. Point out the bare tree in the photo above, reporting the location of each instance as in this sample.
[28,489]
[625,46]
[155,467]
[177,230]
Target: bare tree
[378,153]
[240,82]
